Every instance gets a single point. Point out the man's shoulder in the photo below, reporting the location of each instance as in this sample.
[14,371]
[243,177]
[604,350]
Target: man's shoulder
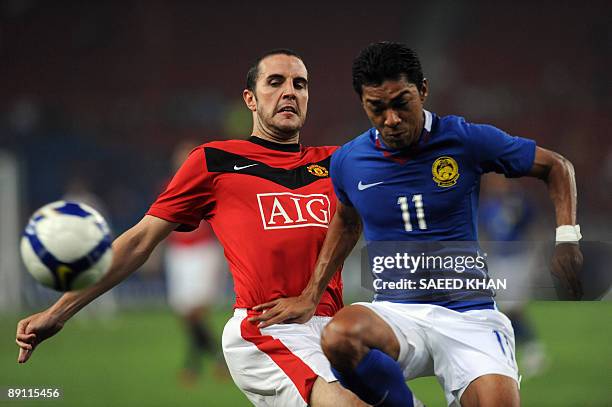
[221,155]
[321,150]
[451,124]
[459,126]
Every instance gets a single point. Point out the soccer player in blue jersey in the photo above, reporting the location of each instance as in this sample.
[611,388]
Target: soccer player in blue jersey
[415,177]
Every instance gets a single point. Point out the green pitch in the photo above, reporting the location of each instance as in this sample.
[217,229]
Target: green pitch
[134,359]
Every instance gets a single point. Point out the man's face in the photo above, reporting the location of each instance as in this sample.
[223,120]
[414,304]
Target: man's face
[281,95]
[395,108]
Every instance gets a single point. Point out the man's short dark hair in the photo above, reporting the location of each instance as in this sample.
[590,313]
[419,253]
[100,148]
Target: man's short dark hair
[386,61]
[253,72]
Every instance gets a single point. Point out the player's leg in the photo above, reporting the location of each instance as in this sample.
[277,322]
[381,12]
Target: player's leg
[352,332]
[474,353]
[282,365]
[200,342]
[492,390]
[332,394]
[363,351]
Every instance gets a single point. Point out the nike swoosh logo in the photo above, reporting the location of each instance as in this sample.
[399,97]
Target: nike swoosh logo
[236,168]
[362,186]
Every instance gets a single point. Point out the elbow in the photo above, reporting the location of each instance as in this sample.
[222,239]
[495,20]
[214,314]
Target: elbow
[565,166]
[558,167]
[561,178]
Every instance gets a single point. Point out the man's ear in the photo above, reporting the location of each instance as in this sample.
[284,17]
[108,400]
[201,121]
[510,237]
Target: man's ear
[250,99]
[424,92]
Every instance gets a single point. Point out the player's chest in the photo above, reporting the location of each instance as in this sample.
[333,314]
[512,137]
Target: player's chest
[433,186]
[275,203]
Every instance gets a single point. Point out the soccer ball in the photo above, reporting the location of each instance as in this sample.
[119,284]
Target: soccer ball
[66,246]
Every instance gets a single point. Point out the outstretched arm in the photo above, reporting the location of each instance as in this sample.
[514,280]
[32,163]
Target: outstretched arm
[130,251]
[558,174]
[343,234]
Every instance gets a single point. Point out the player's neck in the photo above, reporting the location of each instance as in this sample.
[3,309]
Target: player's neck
[276,138]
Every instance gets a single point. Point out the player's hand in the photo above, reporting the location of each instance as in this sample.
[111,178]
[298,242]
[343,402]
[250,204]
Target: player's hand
[34,329]
[567,266]
[293,310]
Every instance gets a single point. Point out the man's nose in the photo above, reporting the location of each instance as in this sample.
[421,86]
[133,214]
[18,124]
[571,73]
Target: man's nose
[289,90]
[392,119]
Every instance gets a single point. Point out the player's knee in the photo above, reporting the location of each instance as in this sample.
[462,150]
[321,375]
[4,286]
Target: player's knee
[342,344]
[491,390]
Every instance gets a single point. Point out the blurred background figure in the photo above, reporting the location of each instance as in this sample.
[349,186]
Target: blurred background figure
[194,271]
[506,215]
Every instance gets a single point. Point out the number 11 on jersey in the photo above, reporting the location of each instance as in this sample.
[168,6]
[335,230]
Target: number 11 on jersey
[402,201]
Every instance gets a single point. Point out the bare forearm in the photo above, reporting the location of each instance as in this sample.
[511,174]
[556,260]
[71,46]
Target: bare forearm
[343,234]
[562,191]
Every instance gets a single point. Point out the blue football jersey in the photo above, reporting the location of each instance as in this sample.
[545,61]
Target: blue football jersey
[430,191]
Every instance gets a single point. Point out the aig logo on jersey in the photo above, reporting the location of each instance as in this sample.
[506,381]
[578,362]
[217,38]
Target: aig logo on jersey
[445,171]
[286,210]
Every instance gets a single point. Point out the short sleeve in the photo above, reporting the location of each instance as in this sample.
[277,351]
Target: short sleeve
[495,150]
[188,198]
[337,176]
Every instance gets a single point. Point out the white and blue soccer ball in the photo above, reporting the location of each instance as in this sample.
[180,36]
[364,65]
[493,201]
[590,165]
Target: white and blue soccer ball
[67,246]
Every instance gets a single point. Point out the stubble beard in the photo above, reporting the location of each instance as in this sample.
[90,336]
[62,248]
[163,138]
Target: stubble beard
[281,132]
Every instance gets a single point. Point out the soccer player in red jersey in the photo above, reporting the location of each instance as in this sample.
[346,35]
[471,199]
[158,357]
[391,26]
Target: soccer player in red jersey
[269,200]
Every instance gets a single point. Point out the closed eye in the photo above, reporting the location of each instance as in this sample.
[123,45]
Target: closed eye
[275,80]
[300,83]
[377,108]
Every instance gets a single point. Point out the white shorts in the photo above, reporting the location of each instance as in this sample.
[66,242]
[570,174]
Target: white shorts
[277,365]
[456,347]
[194,274]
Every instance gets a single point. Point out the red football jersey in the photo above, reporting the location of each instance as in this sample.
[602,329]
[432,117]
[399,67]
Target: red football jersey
[269,205]
[202,234]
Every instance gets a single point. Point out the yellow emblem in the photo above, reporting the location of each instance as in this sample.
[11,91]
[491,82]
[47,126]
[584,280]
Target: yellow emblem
[319,171]
[62,273]
[445,171]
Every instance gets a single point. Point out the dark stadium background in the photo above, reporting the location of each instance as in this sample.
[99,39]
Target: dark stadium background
[100,93]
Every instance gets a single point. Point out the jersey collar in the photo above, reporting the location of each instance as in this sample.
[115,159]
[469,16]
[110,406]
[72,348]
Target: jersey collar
[428,121]
[289,148]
